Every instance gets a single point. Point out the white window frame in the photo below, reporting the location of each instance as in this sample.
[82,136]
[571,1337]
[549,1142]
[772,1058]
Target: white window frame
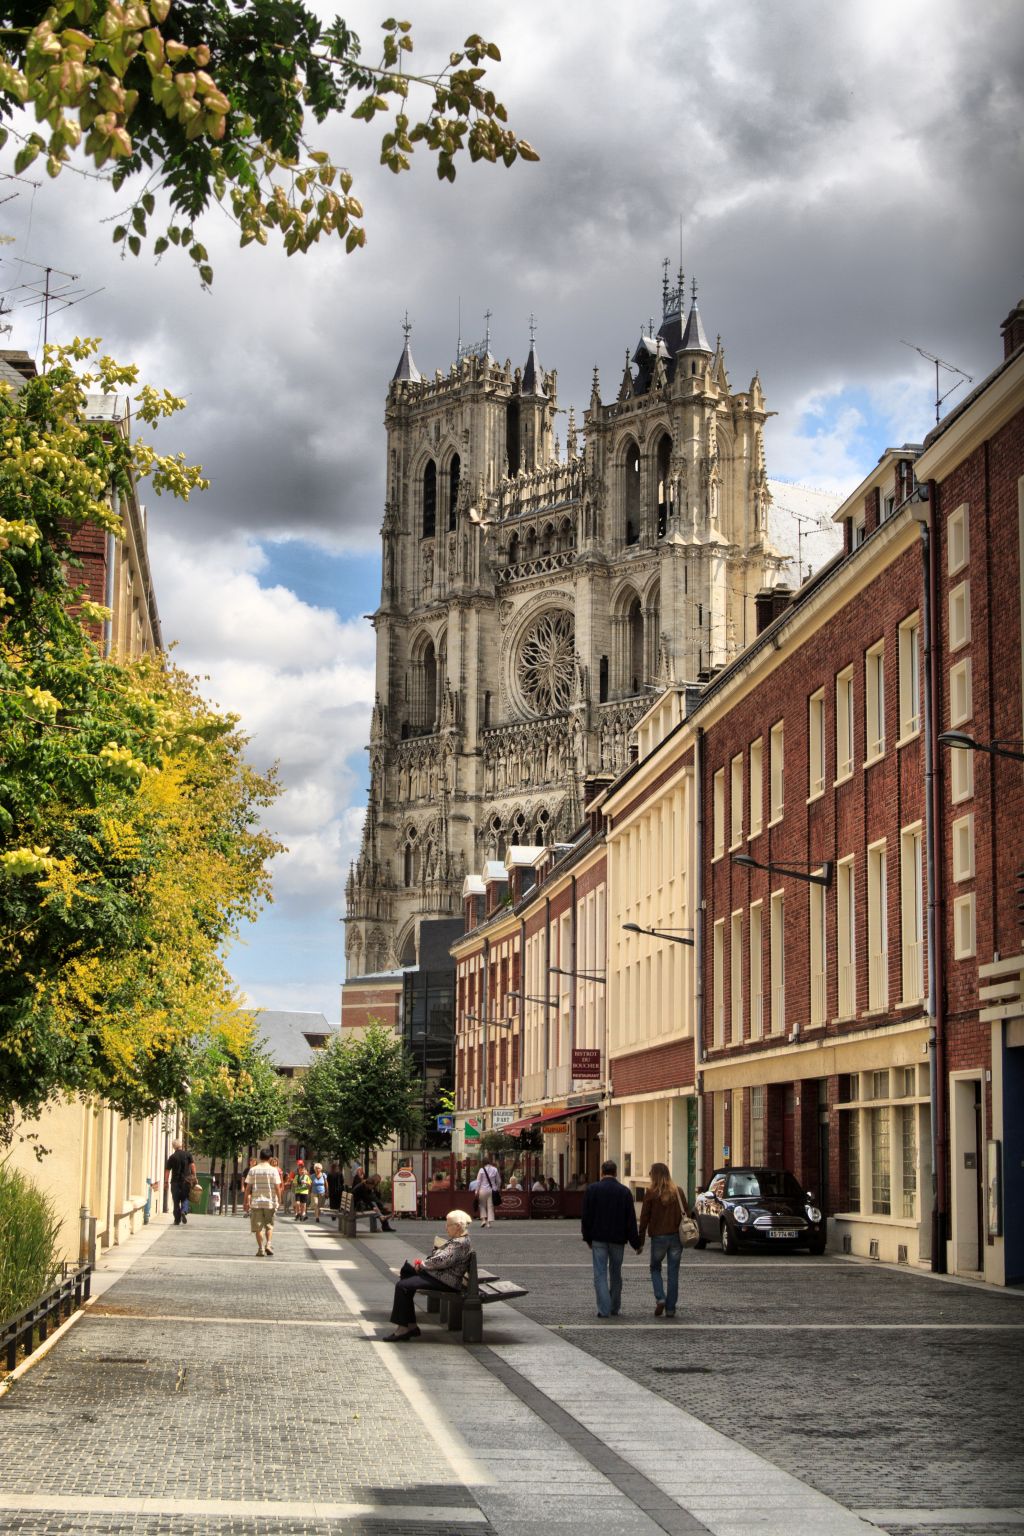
[958,540]
[756,786]
[718,792]
[846,937]
[912,912]
[718,984]
[961,775]
[736,801]
[964,927]
[736,979]
[962,838]
[755,969]
[874,703]
[959,615]
[816,744]
[777,923]
[961,692]
[818,950]
[777,801]
[909,638]
[878,928]
[844,725]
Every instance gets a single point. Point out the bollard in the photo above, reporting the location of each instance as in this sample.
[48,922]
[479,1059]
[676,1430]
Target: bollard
[472,1319]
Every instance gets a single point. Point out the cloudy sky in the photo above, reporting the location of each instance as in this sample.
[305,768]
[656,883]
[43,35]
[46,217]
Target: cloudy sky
[848,178]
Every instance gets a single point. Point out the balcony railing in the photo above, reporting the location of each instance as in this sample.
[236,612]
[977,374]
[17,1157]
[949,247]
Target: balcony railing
[913,972]
[847,990]
[756,1016]
[818,997]
[779,1008]
[540,565]
[719,1024]
[878,979]
[558,1081]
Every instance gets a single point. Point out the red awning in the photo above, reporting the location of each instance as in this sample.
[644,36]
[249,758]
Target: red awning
[568,1114]
[514,1127]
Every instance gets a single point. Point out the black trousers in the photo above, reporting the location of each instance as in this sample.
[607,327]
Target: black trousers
[411,1280]
[179,1194]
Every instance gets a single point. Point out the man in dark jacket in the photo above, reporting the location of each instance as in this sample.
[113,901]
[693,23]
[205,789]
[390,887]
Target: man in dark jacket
[609,1223]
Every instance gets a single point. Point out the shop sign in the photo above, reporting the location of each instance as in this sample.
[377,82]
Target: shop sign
[472,1130]
[446,1122]
[586,1062]
[501,1117]
[556,1128]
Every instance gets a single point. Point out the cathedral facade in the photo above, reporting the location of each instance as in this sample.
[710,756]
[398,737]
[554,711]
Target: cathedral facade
[532,603]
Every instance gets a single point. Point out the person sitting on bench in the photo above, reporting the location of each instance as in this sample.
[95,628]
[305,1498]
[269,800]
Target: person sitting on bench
[366,1197]
[442,1270]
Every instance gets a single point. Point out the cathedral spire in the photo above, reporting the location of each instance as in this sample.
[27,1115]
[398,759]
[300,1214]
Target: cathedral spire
[694,339]
[533,373]
[406,372]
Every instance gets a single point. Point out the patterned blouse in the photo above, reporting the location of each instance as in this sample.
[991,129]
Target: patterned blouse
[449,1264]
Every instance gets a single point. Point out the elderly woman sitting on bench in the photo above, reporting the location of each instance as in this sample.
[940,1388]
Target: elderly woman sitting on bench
[442,1270]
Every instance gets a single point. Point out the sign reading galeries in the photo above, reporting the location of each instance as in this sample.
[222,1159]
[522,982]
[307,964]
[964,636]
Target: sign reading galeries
[586,1062]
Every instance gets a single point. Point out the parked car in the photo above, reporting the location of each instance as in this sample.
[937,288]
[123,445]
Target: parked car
[758,1208]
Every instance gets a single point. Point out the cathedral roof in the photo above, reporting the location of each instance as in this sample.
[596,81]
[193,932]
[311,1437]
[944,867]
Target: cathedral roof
[694,339]
[533,374]
[406,372]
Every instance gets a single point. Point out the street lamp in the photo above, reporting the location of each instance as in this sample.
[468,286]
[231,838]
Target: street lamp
[558,970]
[674,936]
[527,997]
[809,877]
[1001,746]
[487,1022]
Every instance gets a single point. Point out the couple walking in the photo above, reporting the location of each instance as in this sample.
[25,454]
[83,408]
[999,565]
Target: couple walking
[609,1223]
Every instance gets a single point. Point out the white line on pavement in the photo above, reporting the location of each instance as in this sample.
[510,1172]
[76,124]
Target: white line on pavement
[228,1322]
[616,1325]
[950,1518]
[160,1504]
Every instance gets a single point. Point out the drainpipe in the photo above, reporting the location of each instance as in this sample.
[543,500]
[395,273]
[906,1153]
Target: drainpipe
[522,1012]
[936,926]
[547,991]
[698,952]
[485,1087]
[574,979]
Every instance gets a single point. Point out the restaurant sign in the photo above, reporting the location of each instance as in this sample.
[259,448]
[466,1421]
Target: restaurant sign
[586,1062]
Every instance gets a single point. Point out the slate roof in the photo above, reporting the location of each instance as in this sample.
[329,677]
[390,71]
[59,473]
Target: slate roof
[284,1035]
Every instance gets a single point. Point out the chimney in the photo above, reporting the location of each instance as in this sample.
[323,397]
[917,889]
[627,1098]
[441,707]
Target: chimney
[768,604]
[1013,329]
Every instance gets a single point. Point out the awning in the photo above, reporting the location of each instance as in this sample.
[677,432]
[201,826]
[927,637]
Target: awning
[516,1127]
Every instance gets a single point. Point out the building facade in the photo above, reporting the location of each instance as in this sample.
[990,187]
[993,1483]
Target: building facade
[530,602]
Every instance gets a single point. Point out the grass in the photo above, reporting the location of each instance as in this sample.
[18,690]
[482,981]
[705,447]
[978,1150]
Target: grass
[29,1229]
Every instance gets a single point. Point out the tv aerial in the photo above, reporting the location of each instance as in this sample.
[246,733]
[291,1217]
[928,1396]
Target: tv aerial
[940,363]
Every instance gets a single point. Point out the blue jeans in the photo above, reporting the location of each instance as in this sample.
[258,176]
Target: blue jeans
[671,1248]
[608,1276]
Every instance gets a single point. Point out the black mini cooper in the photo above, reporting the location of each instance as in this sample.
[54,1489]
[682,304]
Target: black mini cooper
[758,1208]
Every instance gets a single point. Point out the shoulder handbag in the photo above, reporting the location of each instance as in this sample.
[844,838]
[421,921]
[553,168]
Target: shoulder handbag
[689,1232]
[495,1193]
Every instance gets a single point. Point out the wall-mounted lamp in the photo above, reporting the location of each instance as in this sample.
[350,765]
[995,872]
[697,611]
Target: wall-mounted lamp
[809,877]
[674,935]
[526,997]
[557,970]
[1000,747]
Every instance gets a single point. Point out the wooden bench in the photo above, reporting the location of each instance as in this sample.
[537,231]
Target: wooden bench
[465,1309]
[346,1216]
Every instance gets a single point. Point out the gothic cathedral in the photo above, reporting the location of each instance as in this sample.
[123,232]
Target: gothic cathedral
[531,604]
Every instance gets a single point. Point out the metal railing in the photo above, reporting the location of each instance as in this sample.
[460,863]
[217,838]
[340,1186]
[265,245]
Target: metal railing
[818,997]
[878,979]
[778,1008]
[847,982]
[913,971]
[756,1016]
[27,1330]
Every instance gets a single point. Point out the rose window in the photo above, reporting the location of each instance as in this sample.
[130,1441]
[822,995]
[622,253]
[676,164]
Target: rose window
[546,662]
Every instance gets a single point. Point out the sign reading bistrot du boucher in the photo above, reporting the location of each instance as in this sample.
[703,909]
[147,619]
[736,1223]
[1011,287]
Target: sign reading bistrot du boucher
[586,1062]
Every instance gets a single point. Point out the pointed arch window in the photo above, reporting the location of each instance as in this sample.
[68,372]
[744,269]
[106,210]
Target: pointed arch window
[635,646]
[664,499]
[632,494]
[454,476]
[430,500]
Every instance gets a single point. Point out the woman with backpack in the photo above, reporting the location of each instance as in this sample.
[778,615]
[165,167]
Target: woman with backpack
[318,1190]
[663,1209]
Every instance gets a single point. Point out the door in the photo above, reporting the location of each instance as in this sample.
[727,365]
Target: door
[966,1147]
[821,1191]
[788,1142]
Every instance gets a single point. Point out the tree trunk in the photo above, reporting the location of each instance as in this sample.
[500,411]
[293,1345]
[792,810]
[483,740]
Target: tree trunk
[234,1185]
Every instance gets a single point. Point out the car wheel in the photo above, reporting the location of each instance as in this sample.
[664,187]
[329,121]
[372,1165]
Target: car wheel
[701,1242]
[817,1247]
[729,1243]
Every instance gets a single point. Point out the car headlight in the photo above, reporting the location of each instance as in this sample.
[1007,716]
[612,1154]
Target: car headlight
[813,1214]
[740,1215]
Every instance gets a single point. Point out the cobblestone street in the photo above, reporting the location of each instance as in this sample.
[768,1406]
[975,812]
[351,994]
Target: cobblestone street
[210,1393]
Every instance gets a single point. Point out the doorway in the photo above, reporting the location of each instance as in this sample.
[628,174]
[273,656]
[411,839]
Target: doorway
[966,1148]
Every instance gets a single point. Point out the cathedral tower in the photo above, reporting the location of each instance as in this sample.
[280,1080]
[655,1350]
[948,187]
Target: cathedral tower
[530,604]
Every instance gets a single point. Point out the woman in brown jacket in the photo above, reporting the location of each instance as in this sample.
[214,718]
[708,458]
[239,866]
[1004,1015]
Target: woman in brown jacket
[663,1209]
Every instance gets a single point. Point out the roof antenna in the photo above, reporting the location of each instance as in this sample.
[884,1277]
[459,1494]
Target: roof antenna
[940,363]
[458,349]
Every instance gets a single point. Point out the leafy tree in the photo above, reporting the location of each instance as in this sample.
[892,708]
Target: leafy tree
[357,1095]
[130,847]
[237,1098]
[211,100]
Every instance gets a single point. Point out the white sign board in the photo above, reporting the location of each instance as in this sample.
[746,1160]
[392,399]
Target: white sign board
[500,1117]
[403,1193]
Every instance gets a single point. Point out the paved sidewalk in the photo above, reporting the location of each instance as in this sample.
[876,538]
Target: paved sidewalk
[212,1393]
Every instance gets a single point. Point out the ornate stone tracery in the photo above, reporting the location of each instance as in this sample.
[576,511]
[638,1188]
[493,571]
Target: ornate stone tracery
[545,665]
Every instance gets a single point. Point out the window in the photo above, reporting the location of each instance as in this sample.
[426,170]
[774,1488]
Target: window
[778,786]
[736,802]
[846,938]
[959,615]
[757,1142]
[963,927]
[844,725]
[878,930]
[851,1149]
[718,983]
[910,676]
[756,973]
[429,500]
[817,945]
[912,913]
[756,786]
[958,548]
[961,774]
[859,527]
[961,700]
[881,1174]
[816,744]
[963,848]
[736,979]
[719,813]
[778,959]
[886,505]
[874,702]
[906,1118]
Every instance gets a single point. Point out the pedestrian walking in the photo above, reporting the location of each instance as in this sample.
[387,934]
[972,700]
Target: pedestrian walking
[663,1209]
[608,1223]
[302,1183]
[335,1186]
[260,1197]
[180,1175]
[488,1193]
[442,1270]
[317,1190]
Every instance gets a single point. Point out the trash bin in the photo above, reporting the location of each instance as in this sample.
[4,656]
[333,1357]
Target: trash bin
[201,1207]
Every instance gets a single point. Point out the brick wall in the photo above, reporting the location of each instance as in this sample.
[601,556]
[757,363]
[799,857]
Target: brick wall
[653,1071]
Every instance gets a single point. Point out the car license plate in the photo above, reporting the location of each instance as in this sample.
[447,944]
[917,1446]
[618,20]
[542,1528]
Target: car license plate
[776,1232]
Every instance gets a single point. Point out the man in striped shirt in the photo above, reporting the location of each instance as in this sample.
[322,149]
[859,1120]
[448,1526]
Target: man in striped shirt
[262,1192]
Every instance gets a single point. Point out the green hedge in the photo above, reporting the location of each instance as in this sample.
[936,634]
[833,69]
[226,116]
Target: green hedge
[29,1229]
